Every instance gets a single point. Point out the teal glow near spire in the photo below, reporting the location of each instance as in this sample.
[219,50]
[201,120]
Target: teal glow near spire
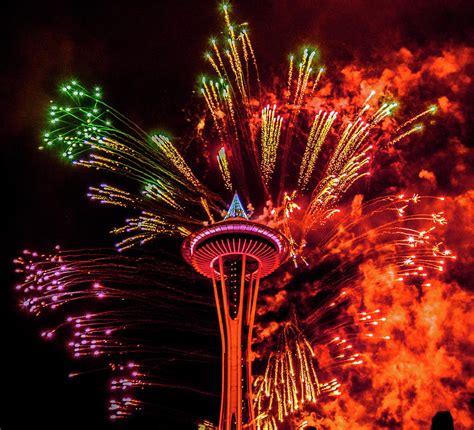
[236,209]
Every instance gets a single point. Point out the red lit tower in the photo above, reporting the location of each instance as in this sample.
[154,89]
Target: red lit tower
[236,253]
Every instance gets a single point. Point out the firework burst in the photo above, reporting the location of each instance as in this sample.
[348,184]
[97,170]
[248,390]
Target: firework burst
[293,160]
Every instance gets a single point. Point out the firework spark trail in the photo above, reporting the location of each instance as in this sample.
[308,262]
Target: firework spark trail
[294,163]
[63,277]
[289,377]
[171,194]
[290,382]
[270,136]
[317,135]
[411,249]
[127,297]
[426,352]
[224,168]
[394,235]
[427,323]
[350,155]
[128,380]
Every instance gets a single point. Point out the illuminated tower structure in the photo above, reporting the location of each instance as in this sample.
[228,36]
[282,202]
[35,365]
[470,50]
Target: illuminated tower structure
[236,253]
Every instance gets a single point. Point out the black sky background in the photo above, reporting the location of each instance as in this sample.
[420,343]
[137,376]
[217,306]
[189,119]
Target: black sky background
[146,56]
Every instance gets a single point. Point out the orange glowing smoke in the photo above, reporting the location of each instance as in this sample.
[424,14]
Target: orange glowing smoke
[427,365]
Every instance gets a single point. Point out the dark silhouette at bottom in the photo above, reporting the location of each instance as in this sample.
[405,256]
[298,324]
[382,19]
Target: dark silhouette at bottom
[442,420]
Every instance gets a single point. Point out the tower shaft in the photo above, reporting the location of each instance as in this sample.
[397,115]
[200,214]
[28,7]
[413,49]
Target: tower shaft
[236,282]
[236,253]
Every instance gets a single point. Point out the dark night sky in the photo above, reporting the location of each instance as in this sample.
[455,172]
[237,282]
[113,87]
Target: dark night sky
[146,56]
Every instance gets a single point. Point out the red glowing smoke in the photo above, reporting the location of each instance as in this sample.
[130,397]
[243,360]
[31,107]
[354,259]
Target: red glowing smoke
[427,364]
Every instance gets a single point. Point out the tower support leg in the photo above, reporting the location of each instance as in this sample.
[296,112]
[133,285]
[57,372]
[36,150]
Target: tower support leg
[236,298]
